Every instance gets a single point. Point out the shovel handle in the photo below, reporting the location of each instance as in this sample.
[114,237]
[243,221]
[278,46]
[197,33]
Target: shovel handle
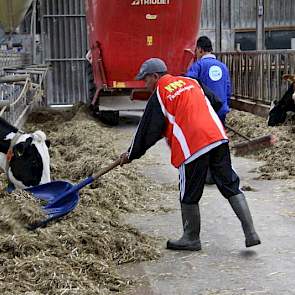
[238,133]
[106,169]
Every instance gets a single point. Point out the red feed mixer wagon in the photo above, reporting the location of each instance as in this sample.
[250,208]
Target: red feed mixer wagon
[124,33]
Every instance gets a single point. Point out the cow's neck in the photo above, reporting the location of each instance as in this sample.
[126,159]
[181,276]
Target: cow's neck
[7,133]
[5,142]
[6,128]
[6,145]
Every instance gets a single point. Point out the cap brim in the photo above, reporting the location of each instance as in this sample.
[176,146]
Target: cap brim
[140,77]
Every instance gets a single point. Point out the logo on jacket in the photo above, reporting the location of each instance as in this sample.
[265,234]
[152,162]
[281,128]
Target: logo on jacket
[215,73]
[176,88]
[150,2]
[175,85]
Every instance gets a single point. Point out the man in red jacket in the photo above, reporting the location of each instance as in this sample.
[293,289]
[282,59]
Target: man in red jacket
[179,110]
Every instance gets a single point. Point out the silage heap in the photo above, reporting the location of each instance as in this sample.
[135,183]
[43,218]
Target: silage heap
[79,254]
[279,159]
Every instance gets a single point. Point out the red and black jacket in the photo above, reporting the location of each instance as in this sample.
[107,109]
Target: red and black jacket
[179,110]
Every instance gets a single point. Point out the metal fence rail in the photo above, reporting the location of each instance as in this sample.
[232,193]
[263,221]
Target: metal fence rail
[8,95]
[257,75]
[21,89]
[12,59]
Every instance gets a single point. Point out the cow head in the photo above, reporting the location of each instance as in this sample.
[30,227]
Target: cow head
[24,156]
[278,109]
[30,161]
[291,78]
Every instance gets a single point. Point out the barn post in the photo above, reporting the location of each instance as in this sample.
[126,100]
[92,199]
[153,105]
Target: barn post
[260,40]
[218,21]
[33,30]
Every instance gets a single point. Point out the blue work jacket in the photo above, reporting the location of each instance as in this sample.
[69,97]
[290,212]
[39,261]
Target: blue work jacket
[215,75]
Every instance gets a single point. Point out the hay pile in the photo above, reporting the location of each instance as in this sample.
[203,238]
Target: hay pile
[79,254]
[18,209]
[280,159]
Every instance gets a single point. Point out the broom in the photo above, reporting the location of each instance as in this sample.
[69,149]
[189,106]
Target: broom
[252,145]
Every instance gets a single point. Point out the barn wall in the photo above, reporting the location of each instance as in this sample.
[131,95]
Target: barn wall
[239,23]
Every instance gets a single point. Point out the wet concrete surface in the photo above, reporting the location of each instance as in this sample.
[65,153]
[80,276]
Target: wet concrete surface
[224,266]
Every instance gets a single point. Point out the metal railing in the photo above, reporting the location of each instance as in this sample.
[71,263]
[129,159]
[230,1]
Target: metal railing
[12,59]
[21,89]
[257,75]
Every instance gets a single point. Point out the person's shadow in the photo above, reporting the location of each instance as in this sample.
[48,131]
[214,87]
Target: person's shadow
[248,254]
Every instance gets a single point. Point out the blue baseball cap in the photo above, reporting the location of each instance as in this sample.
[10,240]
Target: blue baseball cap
[150,66]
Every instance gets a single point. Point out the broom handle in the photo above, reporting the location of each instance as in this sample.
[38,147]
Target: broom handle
[106,169]
[240,134]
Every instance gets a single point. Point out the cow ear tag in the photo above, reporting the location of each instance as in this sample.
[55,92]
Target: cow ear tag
[9,155]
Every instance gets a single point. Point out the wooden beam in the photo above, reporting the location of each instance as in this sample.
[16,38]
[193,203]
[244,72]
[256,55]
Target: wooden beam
[258,109]
[260,35]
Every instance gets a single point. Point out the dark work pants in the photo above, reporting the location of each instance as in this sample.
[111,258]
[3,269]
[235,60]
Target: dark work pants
[192,176]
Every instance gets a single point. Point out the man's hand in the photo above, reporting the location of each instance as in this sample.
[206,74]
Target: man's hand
[124,159]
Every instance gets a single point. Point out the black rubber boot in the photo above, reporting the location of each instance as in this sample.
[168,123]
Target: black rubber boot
[240,207]
[191,230]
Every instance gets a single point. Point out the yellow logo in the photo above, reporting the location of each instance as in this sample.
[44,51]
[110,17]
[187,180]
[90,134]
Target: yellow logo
[119,84]
[149,40]
[175,85]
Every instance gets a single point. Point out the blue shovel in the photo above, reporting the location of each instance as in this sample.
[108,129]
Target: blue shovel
[62,197]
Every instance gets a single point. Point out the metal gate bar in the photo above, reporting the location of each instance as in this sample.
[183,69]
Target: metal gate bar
[64,38]
[21,89]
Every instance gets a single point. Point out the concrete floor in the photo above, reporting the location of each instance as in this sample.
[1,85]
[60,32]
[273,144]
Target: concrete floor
[224,266]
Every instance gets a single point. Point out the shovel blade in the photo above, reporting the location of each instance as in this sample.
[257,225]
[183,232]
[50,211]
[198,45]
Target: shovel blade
[55,207]
[61,198]
[50,191]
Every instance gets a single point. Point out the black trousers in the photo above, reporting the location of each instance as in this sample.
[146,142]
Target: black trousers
[192,176]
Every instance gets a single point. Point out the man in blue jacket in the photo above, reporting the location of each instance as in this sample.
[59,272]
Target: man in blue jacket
[212,73]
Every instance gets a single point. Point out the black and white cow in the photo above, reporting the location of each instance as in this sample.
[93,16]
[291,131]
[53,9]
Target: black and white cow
[278,109]
[24,157]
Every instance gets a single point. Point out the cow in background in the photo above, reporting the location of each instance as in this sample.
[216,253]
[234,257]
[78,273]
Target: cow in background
[278,109]
[24,157]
